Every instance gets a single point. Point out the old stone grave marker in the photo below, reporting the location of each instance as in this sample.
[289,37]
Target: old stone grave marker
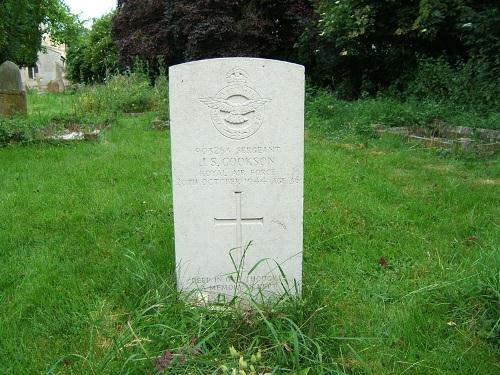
[237,141]
[53,87]
[57,85]
[12,94]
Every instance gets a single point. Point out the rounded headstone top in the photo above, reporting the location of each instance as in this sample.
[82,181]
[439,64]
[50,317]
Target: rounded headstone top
[10,77]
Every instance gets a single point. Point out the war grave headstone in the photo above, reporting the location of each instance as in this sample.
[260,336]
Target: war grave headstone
[12,94]
[237,143]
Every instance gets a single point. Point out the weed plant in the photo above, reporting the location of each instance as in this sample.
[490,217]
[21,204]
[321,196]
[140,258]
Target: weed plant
[125,93]
[472,86]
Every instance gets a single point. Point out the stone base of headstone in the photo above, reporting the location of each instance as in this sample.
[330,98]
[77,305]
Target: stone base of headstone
[13,102]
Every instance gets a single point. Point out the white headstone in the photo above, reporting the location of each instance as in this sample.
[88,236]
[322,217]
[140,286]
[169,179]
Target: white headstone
[237,141]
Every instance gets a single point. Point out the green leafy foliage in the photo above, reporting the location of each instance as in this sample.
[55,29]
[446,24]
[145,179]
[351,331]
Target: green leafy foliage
[362,46]
[473,85]
[125,93]
[23,23]
[18,129]
[94,56]
[336,117]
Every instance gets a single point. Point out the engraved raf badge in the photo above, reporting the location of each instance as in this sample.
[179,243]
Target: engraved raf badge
[237,111]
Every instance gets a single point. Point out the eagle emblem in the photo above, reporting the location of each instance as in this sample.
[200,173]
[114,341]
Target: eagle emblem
[237,109]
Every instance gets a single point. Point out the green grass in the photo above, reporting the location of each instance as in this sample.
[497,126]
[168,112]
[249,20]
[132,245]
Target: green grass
[87,261]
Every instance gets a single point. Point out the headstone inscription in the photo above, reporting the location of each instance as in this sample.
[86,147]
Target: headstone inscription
[12,94]
[237,143]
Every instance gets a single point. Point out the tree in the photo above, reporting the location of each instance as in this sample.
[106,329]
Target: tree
[23,23]
[95,56]
[364,45]
[183,30]
[139,31]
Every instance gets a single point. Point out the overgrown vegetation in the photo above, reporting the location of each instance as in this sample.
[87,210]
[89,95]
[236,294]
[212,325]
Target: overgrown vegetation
[361,46]
[338,117]
[87,107]
[126,93]
[473,85]
[23,24]
[437,53]
[95,106]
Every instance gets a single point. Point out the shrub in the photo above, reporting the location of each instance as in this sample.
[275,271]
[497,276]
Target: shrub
[470,85]
[358,46]
[127,93]
[18,129]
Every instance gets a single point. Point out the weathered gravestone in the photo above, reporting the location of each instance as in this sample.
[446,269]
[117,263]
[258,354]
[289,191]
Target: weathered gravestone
[237,131]
[53,87]
[57,85]
[12,94]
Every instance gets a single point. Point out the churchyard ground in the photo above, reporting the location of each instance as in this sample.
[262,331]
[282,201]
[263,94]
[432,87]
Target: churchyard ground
[401,259]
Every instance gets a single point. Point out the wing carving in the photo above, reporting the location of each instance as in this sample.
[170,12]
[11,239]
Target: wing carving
[249,106]
[220,104]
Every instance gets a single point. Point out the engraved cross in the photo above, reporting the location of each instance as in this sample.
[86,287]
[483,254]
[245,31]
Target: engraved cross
[239,221]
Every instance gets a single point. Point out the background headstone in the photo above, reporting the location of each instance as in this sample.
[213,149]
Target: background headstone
[60,76]
[53,87]
[237,134]
[12,94]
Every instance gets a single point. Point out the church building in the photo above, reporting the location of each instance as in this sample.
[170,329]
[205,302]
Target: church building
[49,67]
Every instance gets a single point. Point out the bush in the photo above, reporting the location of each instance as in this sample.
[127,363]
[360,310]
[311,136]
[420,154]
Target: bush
[126,93]
[358,46]
[18,129]
[470,85]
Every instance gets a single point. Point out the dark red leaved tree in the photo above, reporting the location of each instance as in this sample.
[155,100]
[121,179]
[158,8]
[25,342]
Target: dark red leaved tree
[185,30]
